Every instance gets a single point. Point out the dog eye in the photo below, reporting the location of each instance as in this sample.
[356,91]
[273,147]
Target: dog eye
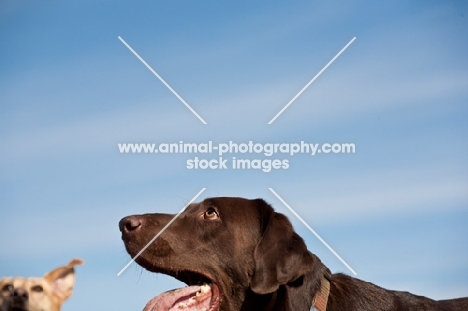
[7,288]
[211,214]
[37,288]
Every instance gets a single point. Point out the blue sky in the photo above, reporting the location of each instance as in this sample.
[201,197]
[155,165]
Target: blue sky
[70,91]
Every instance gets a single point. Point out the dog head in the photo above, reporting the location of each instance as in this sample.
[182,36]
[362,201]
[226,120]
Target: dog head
[39,294]
[234,253]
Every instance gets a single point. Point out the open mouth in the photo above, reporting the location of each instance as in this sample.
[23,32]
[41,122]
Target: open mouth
[202,294]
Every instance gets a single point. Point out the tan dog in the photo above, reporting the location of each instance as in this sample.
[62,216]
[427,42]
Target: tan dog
[39,294]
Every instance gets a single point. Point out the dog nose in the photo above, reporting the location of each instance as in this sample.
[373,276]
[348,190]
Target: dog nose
[129,223]
[20,292]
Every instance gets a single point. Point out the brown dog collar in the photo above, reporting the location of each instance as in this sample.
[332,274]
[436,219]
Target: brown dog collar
[319,303]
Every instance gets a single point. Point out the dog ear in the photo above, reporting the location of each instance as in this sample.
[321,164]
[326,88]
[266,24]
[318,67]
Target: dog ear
[280,257]
[62,279]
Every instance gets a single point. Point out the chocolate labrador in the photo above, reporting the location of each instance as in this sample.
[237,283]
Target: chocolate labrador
[238,254]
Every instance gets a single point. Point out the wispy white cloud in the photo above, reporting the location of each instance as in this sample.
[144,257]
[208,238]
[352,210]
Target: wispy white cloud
[372,76]
[344,97]
[376,195]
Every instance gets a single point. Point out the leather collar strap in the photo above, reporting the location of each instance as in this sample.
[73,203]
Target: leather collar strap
[321,298]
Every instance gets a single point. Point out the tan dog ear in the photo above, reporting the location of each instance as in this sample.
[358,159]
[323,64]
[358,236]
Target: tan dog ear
[62,279]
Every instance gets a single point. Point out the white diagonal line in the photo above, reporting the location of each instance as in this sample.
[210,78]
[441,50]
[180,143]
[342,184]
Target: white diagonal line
[159,233]
[313,231]
[162,80]
[313,79]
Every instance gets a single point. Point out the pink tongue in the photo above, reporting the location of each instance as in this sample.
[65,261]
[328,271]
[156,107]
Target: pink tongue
[182,299]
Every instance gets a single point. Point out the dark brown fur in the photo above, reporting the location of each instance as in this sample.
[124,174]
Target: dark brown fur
[256,259]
